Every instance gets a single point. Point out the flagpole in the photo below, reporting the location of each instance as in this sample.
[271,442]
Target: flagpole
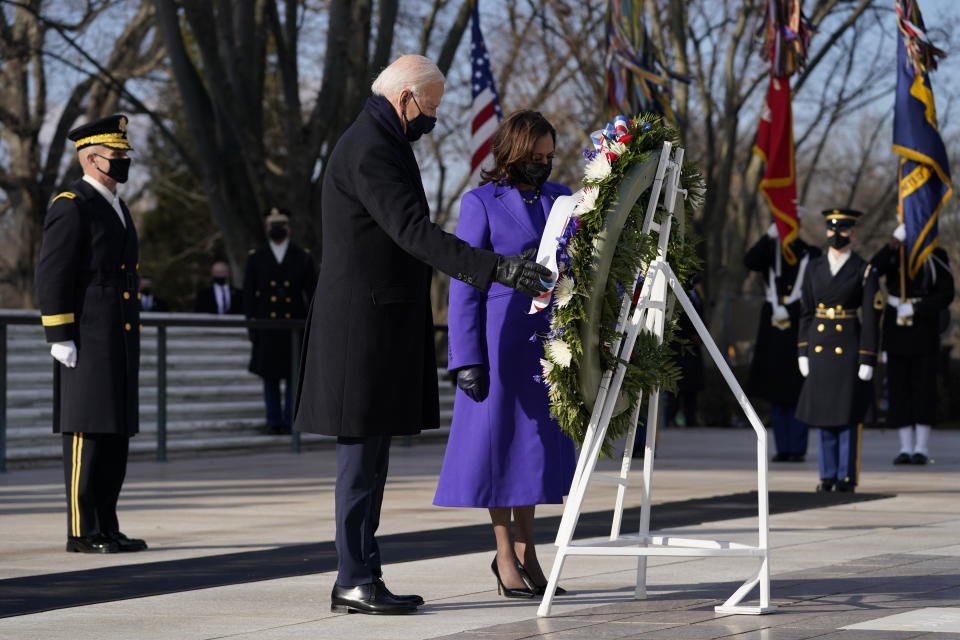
[903,257]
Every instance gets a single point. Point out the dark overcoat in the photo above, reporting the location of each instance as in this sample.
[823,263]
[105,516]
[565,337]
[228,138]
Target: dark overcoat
[839,331]
[276,290]
[931,291]
[206,301]
[87,284]
[774,375]
[368,366]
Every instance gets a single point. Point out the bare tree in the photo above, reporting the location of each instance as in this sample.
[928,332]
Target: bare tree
[31,42]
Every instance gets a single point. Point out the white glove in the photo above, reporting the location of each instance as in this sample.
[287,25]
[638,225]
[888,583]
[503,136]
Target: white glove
[804,363]
[865,373]
[780,313]
[772,230]
[900,233]
[905,310]
[65,353]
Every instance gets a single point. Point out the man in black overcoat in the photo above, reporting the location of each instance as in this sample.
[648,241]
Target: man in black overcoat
[773,371]
[911,341]
[220,296]
[368,370]
[87,285]
[837,350]
[278,282]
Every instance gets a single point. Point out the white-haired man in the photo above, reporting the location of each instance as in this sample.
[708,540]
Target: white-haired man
[87,284]
[369,368]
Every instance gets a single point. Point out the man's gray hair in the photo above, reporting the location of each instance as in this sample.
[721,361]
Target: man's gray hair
[411,72]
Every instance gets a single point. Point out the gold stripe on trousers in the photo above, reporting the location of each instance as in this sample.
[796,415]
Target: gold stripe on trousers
[75,484]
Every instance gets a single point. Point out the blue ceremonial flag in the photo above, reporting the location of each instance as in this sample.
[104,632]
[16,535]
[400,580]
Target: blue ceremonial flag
[924,174]
[485,111]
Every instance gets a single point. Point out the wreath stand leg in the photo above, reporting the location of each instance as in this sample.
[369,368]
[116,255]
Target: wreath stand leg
[649,314]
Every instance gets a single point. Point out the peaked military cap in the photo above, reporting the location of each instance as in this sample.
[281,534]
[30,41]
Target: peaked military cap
[110,132]
[276,214]
[841,218]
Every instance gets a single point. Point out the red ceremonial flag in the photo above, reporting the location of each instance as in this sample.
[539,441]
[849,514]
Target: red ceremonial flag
[775,146]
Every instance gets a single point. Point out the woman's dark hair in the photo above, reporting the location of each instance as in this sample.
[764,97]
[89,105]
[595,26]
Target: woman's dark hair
[513,143]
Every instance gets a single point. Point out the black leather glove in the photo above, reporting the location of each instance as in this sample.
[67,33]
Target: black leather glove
[521,273]
[475,382]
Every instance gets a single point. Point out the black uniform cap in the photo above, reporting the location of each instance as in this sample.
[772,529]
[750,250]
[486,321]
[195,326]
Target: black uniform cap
[276,214]
[841,218]
[110,132]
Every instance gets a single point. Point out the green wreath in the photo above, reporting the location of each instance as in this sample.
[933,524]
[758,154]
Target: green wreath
[605,235]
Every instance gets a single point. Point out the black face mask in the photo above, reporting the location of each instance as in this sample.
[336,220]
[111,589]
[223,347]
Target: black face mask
[419,126]
[838,241]
[220,281]
[533,173]
[119,168]
[277,232]
[146,292]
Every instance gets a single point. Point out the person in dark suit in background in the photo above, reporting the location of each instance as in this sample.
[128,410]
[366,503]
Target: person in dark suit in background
[148,297]
[87,287]
[369,370]
[911,342]
[774,375]
[220,297]
[278,283]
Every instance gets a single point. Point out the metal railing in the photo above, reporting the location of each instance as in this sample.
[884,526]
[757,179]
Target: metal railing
[162,321]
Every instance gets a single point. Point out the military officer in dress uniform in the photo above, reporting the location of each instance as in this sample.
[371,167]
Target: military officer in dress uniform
[773,375]
[87,284]
[911,341]
[838,350]
[279,282]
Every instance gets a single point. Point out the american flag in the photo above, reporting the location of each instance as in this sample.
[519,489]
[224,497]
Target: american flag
[485,111]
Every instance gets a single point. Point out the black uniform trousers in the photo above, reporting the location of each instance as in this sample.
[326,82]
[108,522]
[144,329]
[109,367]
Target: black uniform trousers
[912,389]
[94,466]
[361,477]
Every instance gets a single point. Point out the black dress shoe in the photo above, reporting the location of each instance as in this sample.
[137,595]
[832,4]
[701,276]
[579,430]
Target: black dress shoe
[826,485]
[91,544]
[845,486]
[902,458]
[796,457]
[537,589]
[368,598]
[124,543]
[415,599]
[780,457]
[919,458]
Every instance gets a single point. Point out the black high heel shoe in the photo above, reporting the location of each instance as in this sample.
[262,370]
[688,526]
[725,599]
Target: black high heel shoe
[534,587]
[505,591]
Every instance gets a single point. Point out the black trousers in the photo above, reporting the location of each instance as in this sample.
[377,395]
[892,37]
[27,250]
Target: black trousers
[361,477]
[94,466]
[912,389]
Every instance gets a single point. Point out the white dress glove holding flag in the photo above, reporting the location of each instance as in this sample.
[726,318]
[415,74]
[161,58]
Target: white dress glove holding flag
[865,373]
[905,310]
[772,230]
[900,233]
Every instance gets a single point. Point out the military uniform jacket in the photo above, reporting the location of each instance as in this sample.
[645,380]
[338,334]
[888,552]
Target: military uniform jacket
[87,285]
[931,293]
[774,375]
[837,341]
[276,290]
[369,363]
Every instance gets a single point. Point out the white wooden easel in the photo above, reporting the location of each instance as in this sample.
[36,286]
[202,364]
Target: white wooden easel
[649,314]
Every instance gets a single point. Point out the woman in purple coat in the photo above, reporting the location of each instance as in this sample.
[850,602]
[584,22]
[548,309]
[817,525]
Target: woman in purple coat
[505,453]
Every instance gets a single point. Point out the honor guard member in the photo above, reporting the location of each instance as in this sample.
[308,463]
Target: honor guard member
[911,341]
[838,350]
[87,284]
[773,375]
[278,283]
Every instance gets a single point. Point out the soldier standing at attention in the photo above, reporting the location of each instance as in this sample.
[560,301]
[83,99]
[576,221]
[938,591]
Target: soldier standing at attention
[838,350]
[911,341]
[773,375]
[279,282]
[87,284]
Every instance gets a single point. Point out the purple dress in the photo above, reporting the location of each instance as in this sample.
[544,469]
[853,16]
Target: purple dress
[506,451]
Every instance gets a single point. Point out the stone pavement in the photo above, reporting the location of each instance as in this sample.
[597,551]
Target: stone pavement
[880,569]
